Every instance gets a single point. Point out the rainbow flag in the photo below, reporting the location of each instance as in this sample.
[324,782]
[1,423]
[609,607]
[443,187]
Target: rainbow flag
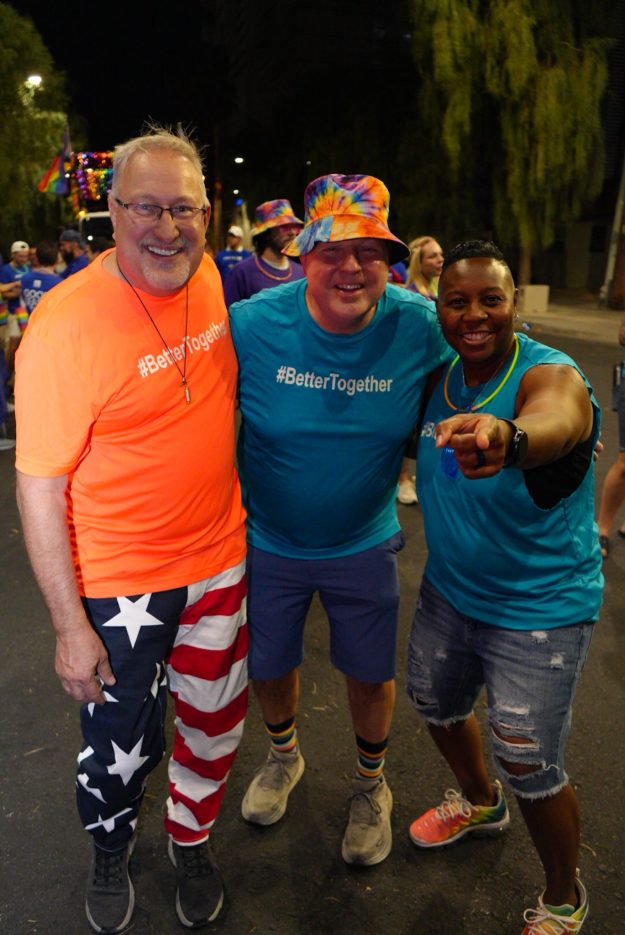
[54,181]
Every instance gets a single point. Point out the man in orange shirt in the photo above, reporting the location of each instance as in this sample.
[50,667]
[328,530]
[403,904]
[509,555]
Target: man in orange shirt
[133,521]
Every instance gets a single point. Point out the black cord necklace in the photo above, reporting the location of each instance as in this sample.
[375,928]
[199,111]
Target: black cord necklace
[183,372]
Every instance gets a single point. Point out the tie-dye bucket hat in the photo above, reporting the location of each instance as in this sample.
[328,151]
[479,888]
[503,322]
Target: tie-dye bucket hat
[273,214]
[344,207]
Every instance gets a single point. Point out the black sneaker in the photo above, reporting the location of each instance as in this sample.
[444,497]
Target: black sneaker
[200,891]
[110,893]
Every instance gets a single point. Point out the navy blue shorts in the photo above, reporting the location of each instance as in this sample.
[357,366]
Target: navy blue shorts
[360,594]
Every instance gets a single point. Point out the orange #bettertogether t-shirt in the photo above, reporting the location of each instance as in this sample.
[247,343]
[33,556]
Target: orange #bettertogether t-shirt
[153,496]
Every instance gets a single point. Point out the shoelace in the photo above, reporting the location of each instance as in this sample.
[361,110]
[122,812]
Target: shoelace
[364,808]
[275,773]
[195,862]
[109,869]
[454,805]
[543,922]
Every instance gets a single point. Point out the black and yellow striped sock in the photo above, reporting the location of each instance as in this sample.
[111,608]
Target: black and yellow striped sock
[283,736]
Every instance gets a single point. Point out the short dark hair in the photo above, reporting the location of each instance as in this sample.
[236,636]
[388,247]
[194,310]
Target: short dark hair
[260,241]
[100,244]
[47,252]
[473,249]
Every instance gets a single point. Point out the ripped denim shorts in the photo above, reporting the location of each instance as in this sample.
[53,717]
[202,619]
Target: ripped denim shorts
[530,678]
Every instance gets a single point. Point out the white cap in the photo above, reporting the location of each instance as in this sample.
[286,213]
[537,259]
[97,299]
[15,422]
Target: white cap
[235,231]
[19,245]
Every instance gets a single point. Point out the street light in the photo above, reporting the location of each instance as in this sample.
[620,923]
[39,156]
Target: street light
[239,160]
[28,88]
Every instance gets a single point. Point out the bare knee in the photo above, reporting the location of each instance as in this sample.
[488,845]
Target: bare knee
[511,767]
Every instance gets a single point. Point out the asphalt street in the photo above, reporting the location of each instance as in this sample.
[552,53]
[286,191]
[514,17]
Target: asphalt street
[290,878]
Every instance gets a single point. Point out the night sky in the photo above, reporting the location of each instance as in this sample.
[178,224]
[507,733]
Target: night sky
[124,62]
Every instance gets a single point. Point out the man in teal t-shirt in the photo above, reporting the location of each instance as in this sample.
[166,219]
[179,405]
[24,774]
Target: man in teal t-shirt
[332,372]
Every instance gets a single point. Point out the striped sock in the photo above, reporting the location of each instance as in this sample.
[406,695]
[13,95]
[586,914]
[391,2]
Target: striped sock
[283,736]
[370,764]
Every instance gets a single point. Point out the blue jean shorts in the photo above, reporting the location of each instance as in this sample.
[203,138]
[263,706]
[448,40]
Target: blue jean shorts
[360,594]
[530,678]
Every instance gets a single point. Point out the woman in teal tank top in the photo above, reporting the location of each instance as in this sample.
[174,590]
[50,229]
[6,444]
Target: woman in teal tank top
[513,583]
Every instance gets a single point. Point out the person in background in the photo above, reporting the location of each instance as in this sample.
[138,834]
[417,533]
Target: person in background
[132,516]
[274,228]
[613,493]
[96,246]
[10,275]
[42,278]
[13,315]
[72,250]
[424,268]
[509,597]
[233,254]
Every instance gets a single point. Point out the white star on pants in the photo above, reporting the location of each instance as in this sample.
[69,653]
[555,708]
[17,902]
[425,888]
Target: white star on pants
[133,615]
[108,823]
[127,764]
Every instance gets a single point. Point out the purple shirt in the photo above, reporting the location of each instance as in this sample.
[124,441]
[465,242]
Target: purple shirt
[252,275]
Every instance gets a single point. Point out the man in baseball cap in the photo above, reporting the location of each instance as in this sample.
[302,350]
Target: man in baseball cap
[13,316]
[275,225]
[332,371]
[10,274]
[234,253]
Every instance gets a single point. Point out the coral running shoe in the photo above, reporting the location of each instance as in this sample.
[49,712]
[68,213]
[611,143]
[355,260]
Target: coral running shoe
[552,920]
[456,816]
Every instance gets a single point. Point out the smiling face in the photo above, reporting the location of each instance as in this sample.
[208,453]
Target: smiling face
[476,308]
[159,256]
[345,282]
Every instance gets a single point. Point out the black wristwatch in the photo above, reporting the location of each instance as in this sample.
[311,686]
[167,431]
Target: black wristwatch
[517,449]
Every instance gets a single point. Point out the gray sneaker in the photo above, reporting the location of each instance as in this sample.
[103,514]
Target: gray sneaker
[264,803]
[110,894]
[368,836]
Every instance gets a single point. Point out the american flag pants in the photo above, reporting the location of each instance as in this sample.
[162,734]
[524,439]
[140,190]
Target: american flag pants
[190,641]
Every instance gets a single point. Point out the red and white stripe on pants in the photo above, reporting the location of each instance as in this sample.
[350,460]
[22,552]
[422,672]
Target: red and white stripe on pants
[207,669]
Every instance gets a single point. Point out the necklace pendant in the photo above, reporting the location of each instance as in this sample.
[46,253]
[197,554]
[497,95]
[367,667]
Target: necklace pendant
[187,391]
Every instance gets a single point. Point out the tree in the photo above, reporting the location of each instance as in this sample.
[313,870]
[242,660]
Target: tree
[515,88]
[32,121]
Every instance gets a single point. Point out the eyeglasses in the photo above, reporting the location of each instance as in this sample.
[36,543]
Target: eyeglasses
[143,212]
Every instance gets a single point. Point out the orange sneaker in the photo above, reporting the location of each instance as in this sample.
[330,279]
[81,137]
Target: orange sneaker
[456,816]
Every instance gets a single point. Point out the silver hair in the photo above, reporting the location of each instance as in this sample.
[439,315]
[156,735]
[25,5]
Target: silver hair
[156,138]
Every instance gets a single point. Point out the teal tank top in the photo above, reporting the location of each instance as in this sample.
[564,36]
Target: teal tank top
[494,553]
